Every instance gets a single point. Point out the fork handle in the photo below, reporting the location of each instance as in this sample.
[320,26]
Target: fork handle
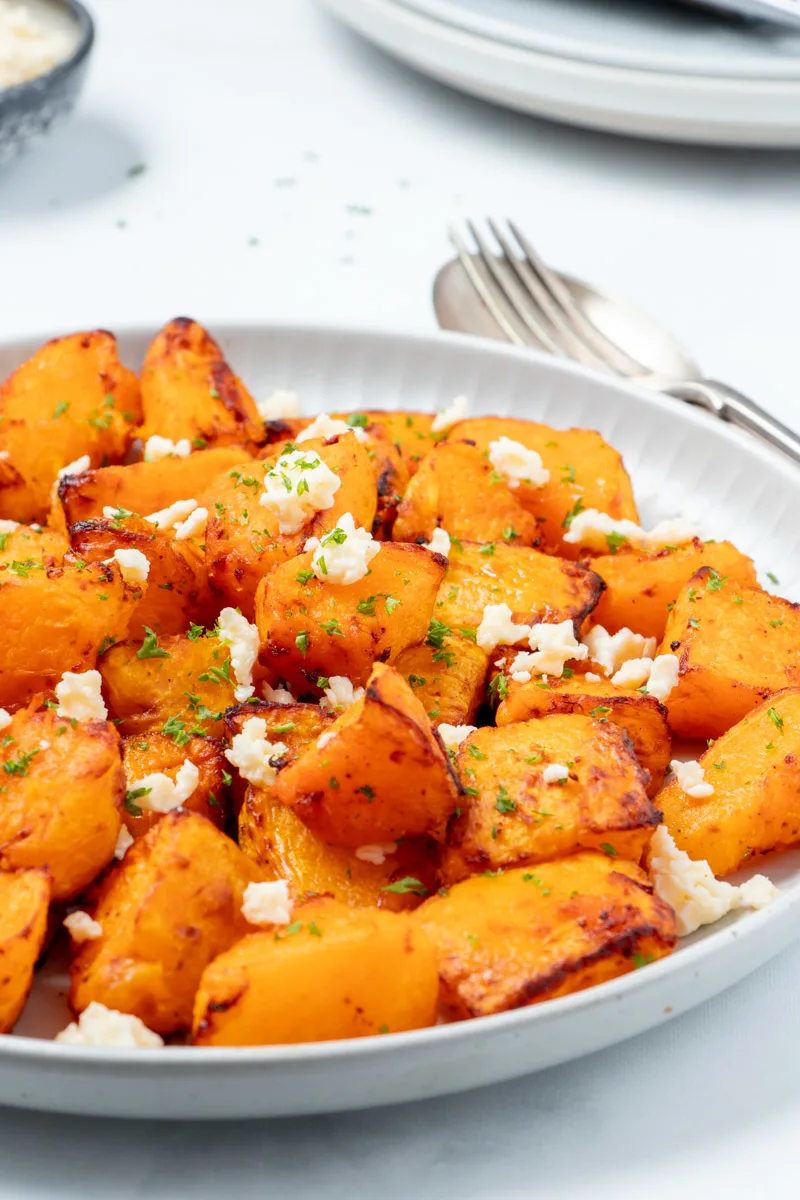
[730,405]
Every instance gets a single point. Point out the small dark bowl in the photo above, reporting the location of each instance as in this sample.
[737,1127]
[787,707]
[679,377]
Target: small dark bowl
[30,109]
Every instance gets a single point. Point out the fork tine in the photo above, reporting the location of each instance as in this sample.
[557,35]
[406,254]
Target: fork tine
[509,290]
[485,292]
[612,355]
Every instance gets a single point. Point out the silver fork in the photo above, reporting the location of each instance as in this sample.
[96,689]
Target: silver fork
[535,307]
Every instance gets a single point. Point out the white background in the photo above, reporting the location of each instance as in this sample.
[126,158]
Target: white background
[261,119]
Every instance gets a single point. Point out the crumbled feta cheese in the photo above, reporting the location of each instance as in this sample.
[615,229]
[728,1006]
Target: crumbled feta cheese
[267,903]
[82,928]
[10,526]
[101,1026]
[325,739]
[5,719]
[4,454]
[343,555]
[156,448]
[163,794]
[124,843]
[610,652]
[498,629]
[133,565]
[279,695]
[691,779]
[377,854]
[593,529]
[299,485]
[241,636]
[516,463]
[500,662]
[44,744]
[79,696]
[75,468]
[453,735]
[457,411]
[193,526]
[554,645]
[692,890]
[663,676]
[439,543]
[340,693]
[555,773]
[327,427]
[251,752]
[590,677]
[168,518]
[633,673]
[279,406]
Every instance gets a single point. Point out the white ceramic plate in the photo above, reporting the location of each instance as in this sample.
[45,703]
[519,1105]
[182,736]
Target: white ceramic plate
[681,462]
[653,70]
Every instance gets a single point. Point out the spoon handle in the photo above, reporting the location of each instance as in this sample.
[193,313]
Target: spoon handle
[738,410]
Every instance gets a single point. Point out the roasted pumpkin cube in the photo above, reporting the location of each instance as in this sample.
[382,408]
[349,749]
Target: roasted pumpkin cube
[393,875]
[334,973]
[641,587]
[585,472]
[82,608]
[642,717]
[448,681]
[177,591]
[26,544]
[296,726]
[310,628]
[24,904]
[735,645]
[189,391]
[143,487]
[181,685]
[520,937]
[243,540]
[754,770]
[456,488]
[410,431]
[158,753]
[73,397]
[170,907]
[541,789]
[380,775]
[61,798]
[535,586]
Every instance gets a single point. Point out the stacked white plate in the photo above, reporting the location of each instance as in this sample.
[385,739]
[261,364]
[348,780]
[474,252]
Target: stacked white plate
[665,70]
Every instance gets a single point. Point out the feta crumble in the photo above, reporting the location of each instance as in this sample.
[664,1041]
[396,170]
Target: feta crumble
[592,529]
[343,555]
[328,428]
[663,676]
[498,629]
[553,646]
[279,695]
[241,636]
[555,773]
[590,677]
[251,753]
[439,543]
[10,526]
[79,696]
[133,565]
[340,693]
[82,928]
[691,779]
[611,651]
[299,485]
[633,674]
[325,739]
[30,46]
[691,889]
[168,518]
[5,719]
[101,1026]
[124,843]
[377,854]
[278,406]
[193,526]
[267,903]
[453,735]
[516,463]
[75,468]
[163,793]
[156,448]
[457,411]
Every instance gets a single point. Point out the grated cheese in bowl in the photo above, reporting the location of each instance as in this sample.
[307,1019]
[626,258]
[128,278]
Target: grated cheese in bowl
[32,41]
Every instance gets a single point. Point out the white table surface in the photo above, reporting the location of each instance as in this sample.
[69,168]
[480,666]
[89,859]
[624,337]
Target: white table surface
[261,119]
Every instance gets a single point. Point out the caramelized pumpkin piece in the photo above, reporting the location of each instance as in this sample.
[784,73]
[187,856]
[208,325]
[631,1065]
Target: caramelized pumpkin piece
[24,904]
[158,753]
[736,646]
[519,937]
[24,544]
[336,972]
[448,681]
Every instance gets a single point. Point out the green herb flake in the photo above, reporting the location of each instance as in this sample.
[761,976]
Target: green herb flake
[150,647]
[641,960]
[608,849]
[301,641]
[772,578]
[775,717]
[402,887]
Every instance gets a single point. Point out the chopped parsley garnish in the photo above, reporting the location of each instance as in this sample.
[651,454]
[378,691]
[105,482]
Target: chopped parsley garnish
[303,575]
[775,717]
[132,796]
[504,803]
[614,541]
[772,578]
[437,632]
[487,550]
[641,960]
[715,581]
[572,514]
[19,766]
[357,420]
[409,884]
[332,628]
[367,791]
[600,710]
[609,849]
[176,729]
[417,681]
